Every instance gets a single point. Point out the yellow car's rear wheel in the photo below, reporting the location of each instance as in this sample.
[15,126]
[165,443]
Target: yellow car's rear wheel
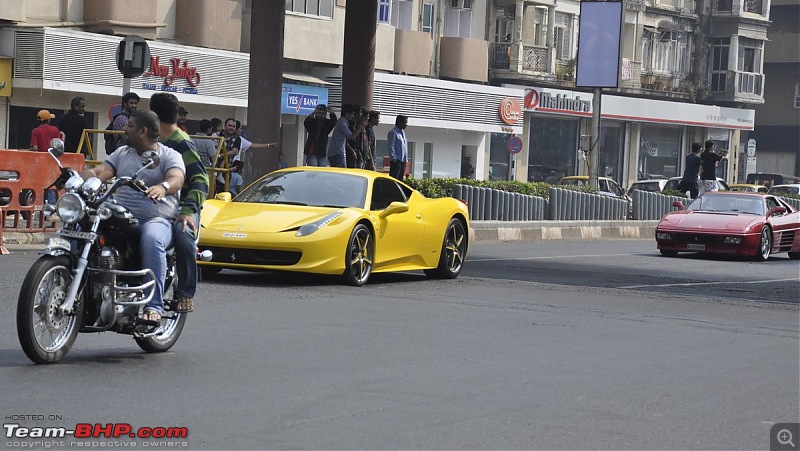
[359,256]
[454,251]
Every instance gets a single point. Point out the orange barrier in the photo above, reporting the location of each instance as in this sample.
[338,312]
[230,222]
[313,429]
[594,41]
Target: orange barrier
[23,178]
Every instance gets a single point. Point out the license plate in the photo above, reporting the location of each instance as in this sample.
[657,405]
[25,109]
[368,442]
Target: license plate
[695,247]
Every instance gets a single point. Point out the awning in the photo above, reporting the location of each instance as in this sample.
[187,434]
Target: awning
[650,29]
[305,78]
[667,25]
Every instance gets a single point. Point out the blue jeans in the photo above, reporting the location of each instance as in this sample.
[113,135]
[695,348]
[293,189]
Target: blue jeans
[186,258]
[315,160]
[337,161]
[155,238]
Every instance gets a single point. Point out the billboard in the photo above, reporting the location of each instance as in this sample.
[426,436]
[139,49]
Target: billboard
[599,44]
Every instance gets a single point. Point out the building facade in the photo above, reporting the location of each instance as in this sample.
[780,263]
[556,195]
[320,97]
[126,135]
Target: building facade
[458,68]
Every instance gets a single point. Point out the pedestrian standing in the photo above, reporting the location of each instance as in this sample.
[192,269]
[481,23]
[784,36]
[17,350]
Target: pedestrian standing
[206,148]
[398,148]
[690,181]
[318,127]
[369,133]
[182,113]
[73,124]
[341,133]
[129,103]
[44,132]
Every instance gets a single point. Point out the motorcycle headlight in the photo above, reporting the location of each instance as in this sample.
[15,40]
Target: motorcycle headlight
[73,183]
[70,208]
[310,228]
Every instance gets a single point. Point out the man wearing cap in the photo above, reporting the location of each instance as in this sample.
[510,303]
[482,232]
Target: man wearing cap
[182,113]
[44,133]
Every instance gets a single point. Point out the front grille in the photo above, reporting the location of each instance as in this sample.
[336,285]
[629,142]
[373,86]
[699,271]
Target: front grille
[698,238]
[254,256]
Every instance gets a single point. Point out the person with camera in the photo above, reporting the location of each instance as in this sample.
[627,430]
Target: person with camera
[708,164]
[337,154]
[318,127]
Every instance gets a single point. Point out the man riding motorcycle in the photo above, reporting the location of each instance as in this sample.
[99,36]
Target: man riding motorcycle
[158,207]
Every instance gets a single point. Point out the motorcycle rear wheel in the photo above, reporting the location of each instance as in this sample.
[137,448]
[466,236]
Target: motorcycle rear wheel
[172,328]
[44,333]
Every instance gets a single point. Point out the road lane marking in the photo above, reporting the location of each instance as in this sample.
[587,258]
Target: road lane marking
[726,282]
[546,257]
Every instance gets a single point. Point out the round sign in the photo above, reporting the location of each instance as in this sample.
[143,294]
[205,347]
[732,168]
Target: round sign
[510,110]
[514,145]
[114,110]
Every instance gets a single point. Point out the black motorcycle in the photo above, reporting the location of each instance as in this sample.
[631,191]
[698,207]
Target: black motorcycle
[89,278]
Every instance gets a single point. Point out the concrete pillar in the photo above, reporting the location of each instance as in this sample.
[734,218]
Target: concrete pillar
[551,31]
[264,97]
[517,54]
[634,131]
[358,68]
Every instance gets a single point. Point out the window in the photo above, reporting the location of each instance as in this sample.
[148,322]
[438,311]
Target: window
[719,64]
[400,15]
[724,5]
[563,36]
[749,55]
[682,55]
[540,27]
[458,20]
[384,192]
[663,55]
[428,17]
[659,152]
[384,11]
[647,49]
[322,8]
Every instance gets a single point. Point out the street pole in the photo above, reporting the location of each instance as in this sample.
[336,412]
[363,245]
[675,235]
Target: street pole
[594,140]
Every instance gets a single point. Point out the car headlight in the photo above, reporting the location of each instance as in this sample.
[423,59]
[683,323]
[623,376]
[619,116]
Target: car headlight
[308,229]
[732,240]
[70,208]
[663,236]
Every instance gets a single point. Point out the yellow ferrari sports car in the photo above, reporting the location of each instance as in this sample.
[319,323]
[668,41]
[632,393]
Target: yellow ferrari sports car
[347,222]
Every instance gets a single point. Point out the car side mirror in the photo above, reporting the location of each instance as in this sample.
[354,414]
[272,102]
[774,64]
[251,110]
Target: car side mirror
[224,196]
[679,205]
[394,208]
[776,210]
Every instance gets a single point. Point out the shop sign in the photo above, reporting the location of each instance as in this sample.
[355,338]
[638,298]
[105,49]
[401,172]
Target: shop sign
[510,110]
[301,100]
[561,102]
[177,69]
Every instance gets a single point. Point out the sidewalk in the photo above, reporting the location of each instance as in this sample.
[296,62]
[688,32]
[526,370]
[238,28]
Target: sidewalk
[481,231]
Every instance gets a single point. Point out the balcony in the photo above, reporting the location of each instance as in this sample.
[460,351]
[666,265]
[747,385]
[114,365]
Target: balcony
[739,87]
[689,6]
[464,59]
[741,8]
[412,52]
[221,30]
[13,11]
[534,58]
[122,17]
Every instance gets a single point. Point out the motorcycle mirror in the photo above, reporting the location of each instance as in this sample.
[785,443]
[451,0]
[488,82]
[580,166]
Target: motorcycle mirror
[150,159]
[56,149]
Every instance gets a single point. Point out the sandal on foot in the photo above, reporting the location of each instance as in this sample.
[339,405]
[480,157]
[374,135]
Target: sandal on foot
[150,316]
[184,304]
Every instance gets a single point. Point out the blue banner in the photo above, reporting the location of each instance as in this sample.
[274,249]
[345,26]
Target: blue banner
[301,100]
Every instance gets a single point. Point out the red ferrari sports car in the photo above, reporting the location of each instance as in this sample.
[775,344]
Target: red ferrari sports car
[750,224]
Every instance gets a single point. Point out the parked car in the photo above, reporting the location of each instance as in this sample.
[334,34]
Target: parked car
[778,190]
[751,224]
[606,186]
[672,184]
[348,222]
[653,186]
[748,188]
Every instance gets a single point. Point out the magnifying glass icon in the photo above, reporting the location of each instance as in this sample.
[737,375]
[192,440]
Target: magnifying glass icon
[785,437]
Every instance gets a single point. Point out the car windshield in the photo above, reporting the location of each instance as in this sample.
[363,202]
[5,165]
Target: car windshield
[312,188]
[646,186]
[752,205]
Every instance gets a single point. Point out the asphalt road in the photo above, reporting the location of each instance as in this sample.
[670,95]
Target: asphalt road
[552,345]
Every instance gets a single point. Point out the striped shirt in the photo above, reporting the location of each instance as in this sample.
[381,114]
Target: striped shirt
[195,187]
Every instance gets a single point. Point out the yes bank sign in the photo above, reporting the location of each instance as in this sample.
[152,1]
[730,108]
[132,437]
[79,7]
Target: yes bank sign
[301,100]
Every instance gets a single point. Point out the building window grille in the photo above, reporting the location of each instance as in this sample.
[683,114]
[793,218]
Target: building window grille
[719,64]
[321,8]
[753,6]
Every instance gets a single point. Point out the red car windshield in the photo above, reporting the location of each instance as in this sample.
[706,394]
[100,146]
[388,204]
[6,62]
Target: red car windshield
[752,205]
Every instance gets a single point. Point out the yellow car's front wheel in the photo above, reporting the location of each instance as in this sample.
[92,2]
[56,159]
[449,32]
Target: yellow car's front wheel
[359,256]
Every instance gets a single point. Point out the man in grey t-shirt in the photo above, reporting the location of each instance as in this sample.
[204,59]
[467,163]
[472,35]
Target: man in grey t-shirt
[155,209]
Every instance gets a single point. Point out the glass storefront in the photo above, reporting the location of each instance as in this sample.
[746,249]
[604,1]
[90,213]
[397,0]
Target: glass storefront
[659,152]
[553,148]
[499,157]
[612,151]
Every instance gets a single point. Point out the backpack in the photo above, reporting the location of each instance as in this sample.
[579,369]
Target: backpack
[111,139]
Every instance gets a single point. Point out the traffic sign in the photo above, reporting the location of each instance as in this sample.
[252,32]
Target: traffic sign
[514,145]
[751,147]
[133,56]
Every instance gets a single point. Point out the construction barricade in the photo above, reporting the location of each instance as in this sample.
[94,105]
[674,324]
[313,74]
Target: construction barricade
[24,175]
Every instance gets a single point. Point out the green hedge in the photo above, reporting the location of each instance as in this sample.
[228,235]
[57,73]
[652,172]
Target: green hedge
[444,187]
